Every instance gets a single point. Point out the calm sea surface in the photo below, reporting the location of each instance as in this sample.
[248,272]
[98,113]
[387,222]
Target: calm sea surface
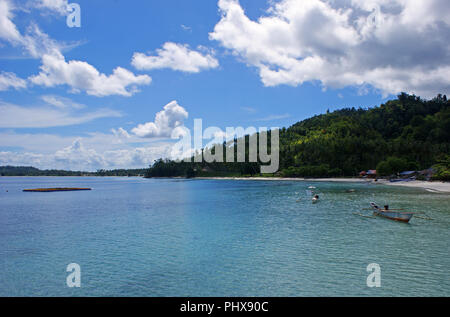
[139,237]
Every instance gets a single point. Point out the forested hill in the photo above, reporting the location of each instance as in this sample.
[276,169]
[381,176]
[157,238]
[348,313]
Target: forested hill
[408,133]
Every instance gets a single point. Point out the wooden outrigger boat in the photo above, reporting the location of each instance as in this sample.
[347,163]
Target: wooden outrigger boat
[392,214]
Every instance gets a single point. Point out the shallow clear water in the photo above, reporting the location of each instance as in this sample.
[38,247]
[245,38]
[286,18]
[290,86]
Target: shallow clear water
[139,237]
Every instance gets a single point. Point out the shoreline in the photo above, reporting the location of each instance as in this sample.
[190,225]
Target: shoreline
[434,187]
[293,179]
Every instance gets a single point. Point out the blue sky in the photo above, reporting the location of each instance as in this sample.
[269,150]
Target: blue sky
[230,63]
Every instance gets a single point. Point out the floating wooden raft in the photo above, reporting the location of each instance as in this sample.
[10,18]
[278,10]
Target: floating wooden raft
[46,190]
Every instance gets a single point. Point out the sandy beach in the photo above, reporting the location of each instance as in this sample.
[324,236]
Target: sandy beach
[436,187]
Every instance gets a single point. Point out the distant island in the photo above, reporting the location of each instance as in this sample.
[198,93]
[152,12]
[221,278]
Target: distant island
[404,134]
[32,171]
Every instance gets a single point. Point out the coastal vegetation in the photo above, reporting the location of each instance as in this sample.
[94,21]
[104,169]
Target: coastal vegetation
[442,169]
[32,171]
[406,133]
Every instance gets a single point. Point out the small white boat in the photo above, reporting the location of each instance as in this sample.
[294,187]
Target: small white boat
[311,187]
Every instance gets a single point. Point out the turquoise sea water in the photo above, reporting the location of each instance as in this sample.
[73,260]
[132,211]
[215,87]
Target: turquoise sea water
[139,237]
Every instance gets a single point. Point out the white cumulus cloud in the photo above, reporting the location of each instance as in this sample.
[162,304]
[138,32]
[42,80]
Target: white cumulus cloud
[77,156]
[59,6]
[55,70]
[121,133]
[8,30]
[81,76]
[176,57]
[393,46]
[167,122]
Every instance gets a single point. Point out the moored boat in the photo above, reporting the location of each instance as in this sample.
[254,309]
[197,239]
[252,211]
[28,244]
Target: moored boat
[391,214]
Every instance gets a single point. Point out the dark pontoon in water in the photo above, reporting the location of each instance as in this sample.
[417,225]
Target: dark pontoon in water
[47,190]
